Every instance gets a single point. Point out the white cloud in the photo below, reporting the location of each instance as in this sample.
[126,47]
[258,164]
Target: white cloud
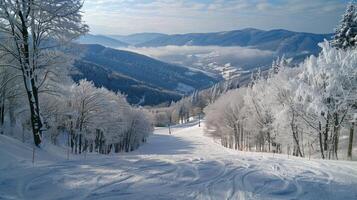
[194,56]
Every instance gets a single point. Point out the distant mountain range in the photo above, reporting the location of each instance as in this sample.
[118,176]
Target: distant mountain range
[280,41]
[102,40]
[138,38]
[148,81]
[145,80]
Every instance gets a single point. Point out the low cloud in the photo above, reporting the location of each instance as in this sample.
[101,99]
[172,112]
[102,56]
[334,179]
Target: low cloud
[202,56]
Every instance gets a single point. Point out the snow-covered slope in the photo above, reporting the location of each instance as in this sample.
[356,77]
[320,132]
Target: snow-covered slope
[184,165]
[14,153]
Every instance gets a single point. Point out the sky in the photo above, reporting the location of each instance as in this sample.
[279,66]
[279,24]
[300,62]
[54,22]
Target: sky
[198,16]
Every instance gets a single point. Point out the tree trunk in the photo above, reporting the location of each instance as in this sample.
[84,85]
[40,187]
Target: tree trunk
[199,120]
[76,144]
[35,120]
[350,143]
[2,112]
[295,136]
[80,144]
[170,121]
[297,145]
[12,115]
[101,142]
[326,132]
[336,135]
[85,145]
[236,137]
[269,140]
[242,137]
[30,84]
[321,142]
[116,148]
[72,143]
[302,143]
[91,147]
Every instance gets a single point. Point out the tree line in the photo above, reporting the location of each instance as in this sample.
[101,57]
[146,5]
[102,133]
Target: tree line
[297,110]
[36,94]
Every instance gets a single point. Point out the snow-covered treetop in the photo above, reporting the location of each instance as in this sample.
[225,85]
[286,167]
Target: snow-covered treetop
[346,33]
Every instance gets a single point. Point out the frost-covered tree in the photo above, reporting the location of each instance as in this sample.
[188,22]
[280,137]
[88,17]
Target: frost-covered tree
[328,89]
[94,119]
[198,102]
[289,127]
[87,104]
[30,29]
[346,33]
[226,119]
[300,110]
[7,78]
[139,128]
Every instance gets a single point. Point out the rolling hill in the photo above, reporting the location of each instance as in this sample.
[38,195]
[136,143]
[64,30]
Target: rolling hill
[280,41]
[137,38]
[140,77]
[102,40]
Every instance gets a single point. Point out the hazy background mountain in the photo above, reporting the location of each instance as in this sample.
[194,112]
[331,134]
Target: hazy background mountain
[140,77]
[138,38]
[280,41]
[225,61]
[231,53]
[102,40]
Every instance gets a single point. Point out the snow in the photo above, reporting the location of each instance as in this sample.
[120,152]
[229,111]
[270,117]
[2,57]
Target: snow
[184,165]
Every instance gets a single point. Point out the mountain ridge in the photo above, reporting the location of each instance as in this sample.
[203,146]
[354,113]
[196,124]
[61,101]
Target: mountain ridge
[281,41]
[101,40]
[137,38]
[278,40]
[137,75]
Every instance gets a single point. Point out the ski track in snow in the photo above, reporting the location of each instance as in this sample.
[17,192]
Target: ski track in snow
[184,165]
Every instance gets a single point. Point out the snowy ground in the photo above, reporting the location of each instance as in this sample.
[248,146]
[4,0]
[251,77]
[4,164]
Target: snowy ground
[185,165]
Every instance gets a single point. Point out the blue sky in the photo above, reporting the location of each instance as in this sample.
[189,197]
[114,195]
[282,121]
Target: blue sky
[186,16]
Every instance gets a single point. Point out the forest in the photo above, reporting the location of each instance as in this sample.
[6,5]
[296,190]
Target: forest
[39,101]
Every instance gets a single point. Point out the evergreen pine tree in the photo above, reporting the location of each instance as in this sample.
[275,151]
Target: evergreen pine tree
[346,34]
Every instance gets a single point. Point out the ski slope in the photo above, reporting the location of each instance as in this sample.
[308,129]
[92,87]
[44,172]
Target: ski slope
[184,165]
